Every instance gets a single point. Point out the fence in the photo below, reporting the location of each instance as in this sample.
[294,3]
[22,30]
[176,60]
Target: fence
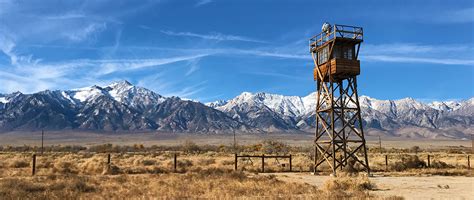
[263,156]
[388,160]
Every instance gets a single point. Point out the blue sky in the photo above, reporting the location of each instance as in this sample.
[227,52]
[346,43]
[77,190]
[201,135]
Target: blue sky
[216,49]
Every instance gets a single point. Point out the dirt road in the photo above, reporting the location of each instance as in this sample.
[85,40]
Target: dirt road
[430,187]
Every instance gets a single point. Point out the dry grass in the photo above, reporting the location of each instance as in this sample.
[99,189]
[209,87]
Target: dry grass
[211,183]
[201,174]
[346,186]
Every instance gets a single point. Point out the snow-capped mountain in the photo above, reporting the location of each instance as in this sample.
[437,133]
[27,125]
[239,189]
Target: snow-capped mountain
[122,106]
[217,103]
[116,107]
[445,106]
[289,113]
[284,105]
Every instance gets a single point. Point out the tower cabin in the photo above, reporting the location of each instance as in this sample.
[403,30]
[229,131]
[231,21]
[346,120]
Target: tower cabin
[335,51]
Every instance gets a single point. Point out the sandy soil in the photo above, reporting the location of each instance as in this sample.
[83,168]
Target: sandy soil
[429,187]
[90,138]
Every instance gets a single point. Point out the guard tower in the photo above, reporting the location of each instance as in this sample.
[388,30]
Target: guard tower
[339,137]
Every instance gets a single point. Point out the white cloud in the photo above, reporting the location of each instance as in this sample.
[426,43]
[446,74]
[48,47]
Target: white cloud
[404,59]
[267,53]
[86,32]
[411,48]
[214,36]
[171,87]
[65,16]
[275,74]
[464,15]
[115,65]
[418,53]
[6,47]
[27,74]
[202,2]
[193,66]
[189,91]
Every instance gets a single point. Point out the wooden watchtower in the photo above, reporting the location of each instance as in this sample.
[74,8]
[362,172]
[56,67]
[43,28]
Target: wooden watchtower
[339,137]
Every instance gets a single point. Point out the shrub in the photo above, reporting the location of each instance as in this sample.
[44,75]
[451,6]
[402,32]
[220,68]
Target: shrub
[64,167]
[415,149]
[111,170]
[408,162]
[228,162]
[348,187]
[148,162]
[272,146]
[206,161]
[440,164]
[190,147]
[19,164]
[80,184]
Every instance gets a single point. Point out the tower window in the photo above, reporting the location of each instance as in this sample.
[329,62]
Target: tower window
[323,55]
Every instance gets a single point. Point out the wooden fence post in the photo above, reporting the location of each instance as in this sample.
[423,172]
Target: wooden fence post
[33,166]
[263,163]
[108,159]
[429,162]
[235,164]
[386,162]
[175,161]
[291,169]
[468,162]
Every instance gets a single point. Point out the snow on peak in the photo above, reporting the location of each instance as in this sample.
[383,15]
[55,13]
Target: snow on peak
[118,90]
[299,106]
[123,84]
[216,104]
[121,91]
[87,93]
[450,105]
[285,105]
[124,92]
[4,100]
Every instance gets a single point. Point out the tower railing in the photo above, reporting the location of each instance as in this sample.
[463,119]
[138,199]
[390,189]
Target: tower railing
[337,31]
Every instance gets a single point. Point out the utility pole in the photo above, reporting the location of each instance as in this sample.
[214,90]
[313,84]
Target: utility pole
[235,149]
[42,141]
[380,144]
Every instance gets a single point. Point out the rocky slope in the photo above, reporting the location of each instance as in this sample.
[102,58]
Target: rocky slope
[116,107]
[449,119]
[122,106]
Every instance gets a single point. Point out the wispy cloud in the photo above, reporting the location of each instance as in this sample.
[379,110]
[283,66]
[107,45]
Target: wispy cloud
[116,65]
[202,2]
[28,74]
[193,66]
[213,36]
[270,53]
[144,27]
[156,82]
[464,15]
[410,48]
[404,59]
[189,91]
[87,32]
[65,16]
[418,53]
[276,74]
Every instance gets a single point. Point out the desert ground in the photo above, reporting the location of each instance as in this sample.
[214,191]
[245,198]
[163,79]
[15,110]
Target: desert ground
[409,187]
[170,139]
[142,166]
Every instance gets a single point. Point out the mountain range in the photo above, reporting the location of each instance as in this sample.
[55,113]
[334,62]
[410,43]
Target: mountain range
[122,106]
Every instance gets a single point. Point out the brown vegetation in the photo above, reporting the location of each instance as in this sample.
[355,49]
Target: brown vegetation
[202,171]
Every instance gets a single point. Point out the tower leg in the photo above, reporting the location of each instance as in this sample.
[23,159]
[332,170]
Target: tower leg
[361,129]
[339,133]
